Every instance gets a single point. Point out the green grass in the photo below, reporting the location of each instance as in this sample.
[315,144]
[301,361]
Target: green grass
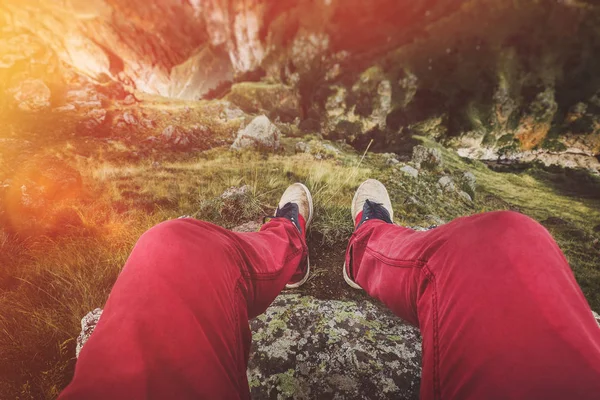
[50,283]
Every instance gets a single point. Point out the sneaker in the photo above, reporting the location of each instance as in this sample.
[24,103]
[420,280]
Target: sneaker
[371,201]
[297,201]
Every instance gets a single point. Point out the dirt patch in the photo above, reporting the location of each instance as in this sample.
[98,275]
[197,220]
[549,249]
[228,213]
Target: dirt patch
[326,281]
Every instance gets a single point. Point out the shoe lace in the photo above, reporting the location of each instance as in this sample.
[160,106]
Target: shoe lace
[373,210]
[289,211]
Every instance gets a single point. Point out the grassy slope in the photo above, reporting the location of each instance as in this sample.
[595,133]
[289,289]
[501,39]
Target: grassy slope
[54,282]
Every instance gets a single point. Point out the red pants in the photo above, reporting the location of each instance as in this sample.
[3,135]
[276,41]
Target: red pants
[499,310]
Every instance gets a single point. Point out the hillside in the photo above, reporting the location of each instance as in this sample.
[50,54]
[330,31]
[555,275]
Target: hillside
[116,117]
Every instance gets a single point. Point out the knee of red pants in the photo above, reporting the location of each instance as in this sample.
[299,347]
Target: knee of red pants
[499,230]
[185,255]
[185,237]
[175,303]
[502,283]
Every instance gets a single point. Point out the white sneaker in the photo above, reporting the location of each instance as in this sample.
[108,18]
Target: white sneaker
[295,201]
[373,200]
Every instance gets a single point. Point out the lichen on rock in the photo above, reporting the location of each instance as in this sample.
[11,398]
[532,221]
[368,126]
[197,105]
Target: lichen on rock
[309,348]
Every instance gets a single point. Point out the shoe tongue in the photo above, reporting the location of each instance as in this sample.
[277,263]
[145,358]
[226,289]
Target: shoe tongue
[357,219]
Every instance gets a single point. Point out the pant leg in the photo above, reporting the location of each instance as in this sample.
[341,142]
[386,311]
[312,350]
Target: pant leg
[498,307]
[176,322]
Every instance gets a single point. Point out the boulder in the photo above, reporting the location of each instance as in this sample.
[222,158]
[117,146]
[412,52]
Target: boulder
[175,136]
[410,171]
[307,348]
[31,95]
[447,184]
[304,347]
[468,183]
[427,158]
[261,133]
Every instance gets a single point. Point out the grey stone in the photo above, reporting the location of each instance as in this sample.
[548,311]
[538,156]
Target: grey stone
[252,226]
[446,183]
[468,183]
[302,147]
[130,119]
[390,158]
[465,196]
[231,112]
[436,220]
[31,95]
[129,100]
[309,348]
[427,158]
[330,148]
[93,119]
[234,193]
[88,324]
[175,136]
[233,200]
[410,171]
[148,123]
[261,133]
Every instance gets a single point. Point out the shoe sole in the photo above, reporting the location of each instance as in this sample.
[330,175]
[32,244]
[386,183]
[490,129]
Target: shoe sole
[310,216]
[349,281]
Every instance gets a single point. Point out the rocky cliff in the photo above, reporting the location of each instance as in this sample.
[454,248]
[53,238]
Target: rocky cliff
[500,81]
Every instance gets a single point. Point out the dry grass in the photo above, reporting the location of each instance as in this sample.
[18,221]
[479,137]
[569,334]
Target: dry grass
[50,283]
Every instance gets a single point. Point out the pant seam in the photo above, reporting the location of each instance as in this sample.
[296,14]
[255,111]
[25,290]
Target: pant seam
[235,313]
[396,262]
[436,346]
[269,276]
[237,291]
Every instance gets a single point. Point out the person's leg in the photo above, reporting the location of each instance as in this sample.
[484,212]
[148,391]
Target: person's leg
[498,307]
[176,322]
